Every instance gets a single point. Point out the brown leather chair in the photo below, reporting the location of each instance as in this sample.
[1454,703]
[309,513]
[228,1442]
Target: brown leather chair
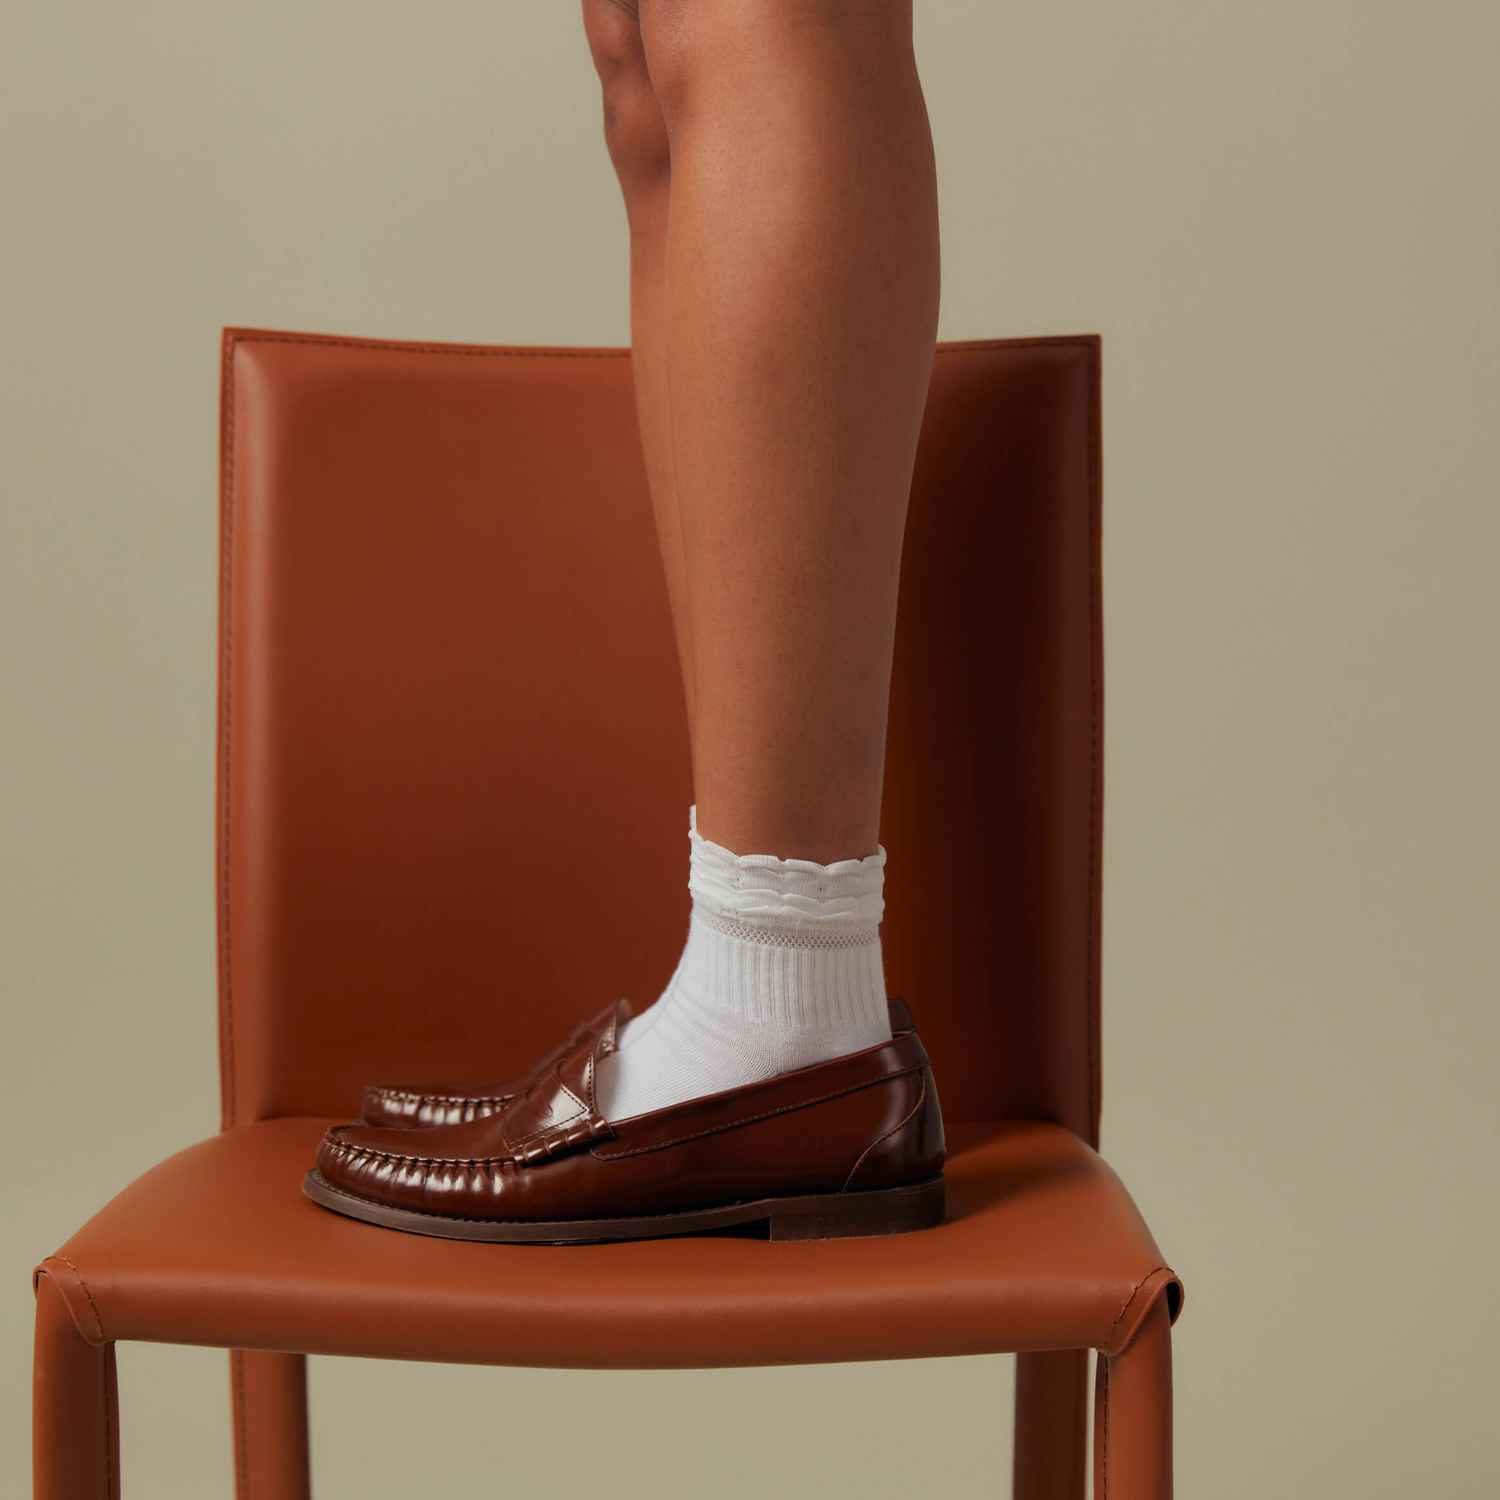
[447,670]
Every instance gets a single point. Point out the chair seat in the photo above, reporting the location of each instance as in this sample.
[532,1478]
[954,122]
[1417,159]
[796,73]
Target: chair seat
[1044,1249]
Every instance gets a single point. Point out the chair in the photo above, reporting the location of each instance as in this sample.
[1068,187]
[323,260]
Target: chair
[444,640]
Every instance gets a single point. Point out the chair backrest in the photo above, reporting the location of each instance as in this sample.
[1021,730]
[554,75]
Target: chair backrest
[448,677]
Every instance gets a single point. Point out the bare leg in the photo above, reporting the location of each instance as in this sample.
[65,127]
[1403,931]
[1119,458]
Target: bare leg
[779,182]
[802,274]
[637,138]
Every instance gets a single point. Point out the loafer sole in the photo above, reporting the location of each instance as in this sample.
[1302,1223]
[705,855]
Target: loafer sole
[809,1216]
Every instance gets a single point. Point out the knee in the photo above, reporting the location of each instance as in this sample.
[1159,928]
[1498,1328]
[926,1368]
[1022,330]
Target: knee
[634,130]
[700,51]
[679,38]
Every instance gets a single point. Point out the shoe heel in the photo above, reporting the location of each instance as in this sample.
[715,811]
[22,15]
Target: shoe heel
[840,1215]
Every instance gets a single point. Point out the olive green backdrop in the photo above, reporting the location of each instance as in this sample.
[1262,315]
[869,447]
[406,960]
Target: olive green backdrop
[1282,219]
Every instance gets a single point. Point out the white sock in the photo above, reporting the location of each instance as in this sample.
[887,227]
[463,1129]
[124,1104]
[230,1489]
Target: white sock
[782,968]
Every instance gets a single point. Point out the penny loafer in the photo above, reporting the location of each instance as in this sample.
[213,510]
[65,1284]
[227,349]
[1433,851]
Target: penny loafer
[852,1146]
[401,1106]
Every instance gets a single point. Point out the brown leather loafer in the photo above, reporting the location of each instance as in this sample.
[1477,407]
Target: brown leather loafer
[852,1146]
[402,1106]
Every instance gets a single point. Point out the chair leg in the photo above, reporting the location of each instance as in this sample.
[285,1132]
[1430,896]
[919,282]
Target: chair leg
[1051,1425]
[75,1405]
[1133,1415]
[271,1458]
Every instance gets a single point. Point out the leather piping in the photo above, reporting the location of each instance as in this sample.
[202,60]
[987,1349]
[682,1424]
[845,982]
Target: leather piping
[74,1291]
[237,1411]
[1096,743]
[228,1072]
[1144,1295]
[1101,1419]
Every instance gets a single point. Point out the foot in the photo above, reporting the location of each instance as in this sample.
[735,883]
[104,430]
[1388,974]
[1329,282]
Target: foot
[853,1145]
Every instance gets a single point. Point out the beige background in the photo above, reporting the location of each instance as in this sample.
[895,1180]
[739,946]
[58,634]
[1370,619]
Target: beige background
[1282,218]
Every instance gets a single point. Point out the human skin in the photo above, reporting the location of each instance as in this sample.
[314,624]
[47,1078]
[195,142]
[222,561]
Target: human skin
[777,168]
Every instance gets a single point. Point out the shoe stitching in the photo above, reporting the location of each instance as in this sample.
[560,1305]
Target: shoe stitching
[379,1091]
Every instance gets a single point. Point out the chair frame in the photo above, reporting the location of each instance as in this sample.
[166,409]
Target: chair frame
[76,1419]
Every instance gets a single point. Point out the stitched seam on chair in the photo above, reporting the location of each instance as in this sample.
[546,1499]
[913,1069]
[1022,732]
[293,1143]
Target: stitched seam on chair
[241,1458]
[1096,736]
[885,1135]
[84,1286]
[226,707]
[111,1395]
[347,341]
[1125,1306]
[338,341]
[1102,1417]
[751,1119]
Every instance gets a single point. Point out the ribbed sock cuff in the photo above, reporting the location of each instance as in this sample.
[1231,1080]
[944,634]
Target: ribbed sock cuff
[787,941]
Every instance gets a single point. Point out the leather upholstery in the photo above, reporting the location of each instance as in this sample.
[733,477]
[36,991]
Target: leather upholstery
[447,672]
